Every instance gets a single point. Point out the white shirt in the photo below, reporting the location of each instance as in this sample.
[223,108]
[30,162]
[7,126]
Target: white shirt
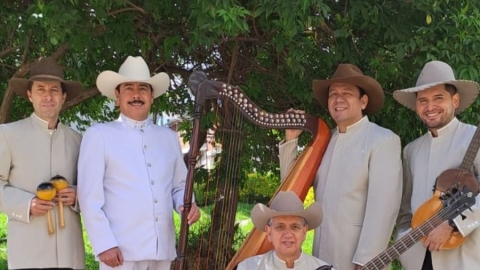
[270,261]
[131,176]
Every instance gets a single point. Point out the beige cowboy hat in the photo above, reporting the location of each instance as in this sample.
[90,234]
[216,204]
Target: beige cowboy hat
[134,69]
[46,69]
[435,73]
[286,203]
[351,74]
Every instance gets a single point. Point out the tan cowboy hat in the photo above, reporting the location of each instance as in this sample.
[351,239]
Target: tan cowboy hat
[351,74]
[286,203]
[46,69]
[134,69]
[435,73]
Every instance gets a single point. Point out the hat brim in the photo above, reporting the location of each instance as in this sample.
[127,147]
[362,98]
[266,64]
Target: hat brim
[467,90]
[369,85]
[108,80]
[71,88]
[261,214]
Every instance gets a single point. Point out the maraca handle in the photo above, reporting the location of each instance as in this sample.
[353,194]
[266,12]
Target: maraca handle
[61,217]
[50,223]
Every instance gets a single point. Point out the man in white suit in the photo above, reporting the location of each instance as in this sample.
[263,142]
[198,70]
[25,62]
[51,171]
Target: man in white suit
[359,181]
[132,176]
[33,150]
[437,98]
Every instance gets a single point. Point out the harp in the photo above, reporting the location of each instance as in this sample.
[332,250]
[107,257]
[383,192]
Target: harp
[235,104]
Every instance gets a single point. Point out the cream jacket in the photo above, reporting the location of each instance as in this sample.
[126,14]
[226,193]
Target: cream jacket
[424,160]
[359,184]
[29,155]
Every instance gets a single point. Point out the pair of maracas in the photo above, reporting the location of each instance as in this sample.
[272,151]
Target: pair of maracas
[47,191]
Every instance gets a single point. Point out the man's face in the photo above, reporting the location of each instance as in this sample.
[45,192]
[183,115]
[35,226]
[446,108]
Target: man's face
[135,99]
[287,234]
[436,107]
[47,99]
[345,104]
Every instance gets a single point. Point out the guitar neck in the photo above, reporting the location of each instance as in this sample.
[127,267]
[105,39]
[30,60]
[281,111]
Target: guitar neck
[403,244]
[471,151]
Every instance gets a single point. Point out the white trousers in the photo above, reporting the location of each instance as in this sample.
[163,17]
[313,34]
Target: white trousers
[139,265]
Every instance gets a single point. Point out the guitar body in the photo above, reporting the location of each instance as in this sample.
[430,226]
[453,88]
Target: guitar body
[445,180]
[426,211]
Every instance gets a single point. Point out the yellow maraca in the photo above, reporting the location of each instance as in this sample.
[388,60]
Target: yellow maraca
[59,182]
[46,191]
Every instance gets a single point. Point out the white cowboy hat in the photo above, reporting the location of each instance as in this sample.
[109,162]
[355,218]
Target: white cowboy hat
[435,73]
[286,203]
[134,69]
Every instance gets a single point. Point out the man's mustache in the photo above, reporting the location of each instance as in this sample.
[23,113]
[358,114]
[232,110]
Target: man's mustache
[134,102]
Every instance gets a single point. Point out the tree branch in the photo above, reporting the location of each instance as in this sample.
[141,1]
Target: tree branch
[9,50]
[84,95]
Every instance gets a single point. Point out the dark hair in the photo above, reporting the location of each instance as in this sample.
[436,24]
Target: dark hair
[450,88]
[30,85]
[118,87]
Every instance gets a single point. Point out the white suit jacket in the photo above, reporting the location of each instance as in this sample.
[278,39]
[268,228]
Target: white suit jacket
[424,160]
[131,178]
[359,184]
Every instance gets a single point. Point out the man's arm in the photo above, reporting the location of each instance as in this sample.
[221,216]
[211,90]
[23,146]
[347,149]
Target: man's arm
[287,154]
[404,218]
[90,191]
[13,201]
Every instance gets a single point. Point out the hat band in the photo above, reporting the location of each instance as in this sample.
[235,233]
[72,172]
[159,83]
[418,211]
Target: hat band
[45,76]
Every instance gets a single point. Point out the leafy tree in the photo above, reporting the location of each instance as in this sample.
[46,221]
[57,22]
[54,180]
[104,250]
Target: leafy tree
[272,49]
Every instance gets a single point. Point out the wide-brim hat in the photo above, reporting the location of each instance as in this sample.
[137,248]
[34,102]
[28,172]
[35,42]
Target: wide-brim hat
[436,73]
[351,74]
[46,69]
[286,203]
[134,69]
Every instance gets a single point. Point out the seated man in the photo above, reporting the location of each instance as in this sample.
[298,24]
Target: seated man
[286,224]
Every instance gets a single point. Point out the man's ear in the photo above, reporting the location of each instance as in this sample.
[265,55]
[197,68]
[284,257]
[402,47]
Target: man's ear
[29,95]
[267,230]
[456,100]
[364,101]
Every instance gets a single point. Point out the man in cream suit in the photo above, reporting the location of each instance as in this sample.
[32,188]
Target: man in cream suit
[132,176]
[33,150]
[359,181]
[286,224]
[437,98]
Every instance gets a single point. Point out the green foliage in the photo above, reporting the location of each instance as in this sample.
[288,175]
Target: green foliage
[259,188]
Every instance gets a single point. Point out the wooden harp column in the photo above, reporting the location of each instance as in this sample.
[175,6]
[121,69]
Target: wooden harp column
[299,179]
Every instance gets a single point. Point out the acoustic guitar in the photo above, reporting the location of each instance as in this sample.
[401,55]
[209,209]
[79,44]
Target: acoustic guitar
[455,200]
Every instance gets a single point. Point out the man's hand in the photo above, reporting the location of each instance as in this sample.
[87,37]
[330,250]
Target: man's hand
[193,215]
[111,257]
[438,237]
[357,267]
[67,196]
[39,207]
[291,134]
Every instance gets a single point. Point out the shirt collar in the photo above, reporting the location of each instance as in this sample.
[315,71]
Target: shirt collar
[140,125]
[446,129]
[356,126]
[280,261]
[39,122]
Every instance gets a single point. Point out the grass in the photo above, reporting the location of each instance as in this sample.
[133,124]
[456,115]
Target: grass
[243,218]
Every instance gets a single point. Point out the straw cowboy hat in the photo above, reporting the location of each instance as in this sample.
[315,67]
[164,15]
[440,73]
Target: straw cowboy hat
[286,203]
[46,69]
[134,69]
[351,74]
[435,73]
